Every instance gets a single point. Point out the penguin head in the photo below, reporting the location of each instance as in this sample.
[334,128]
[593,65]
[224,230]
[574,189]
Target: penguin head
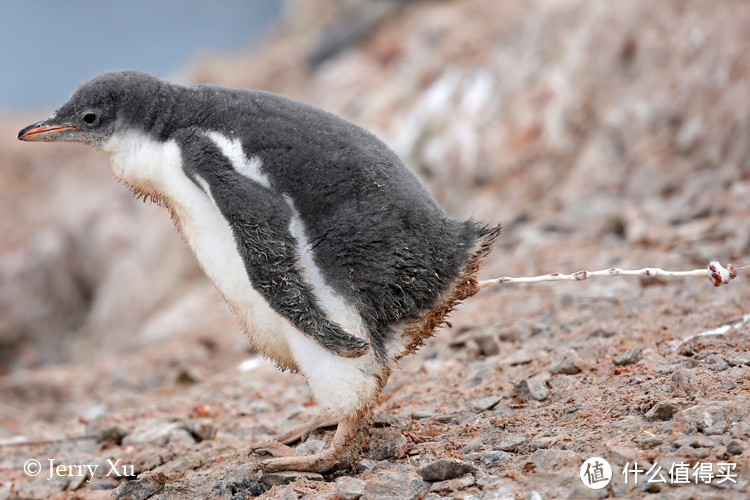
[98,108]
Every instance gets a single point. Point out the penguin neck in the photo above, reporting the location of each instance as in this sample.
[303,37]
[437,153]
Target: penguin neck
[140,161]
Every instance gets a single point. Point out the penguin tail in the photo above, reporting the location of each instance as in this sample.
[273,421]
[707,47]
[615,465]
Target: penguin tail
[466,285]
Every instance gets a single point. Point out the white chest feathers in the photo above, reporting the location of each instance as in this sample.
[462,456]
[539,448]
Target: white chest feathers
[156,168]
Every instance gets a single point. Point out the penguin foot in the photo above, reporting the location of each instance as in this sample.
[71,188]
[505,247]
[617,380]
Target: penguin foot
[328,460]
[278,447]
[341,454]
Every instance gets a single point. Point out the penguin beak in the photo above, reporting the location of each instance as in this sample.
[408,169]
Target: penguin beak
[44,130]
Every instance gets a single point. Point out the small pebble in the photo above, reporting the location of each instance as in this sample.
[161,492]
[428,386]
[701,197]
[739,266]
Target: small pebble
[679,383]
[727,385]
[540,326]
[452,485]
[738,360]
[181,438]
[349,488]
[696,441]
[734,447]
[486,403]
[395,446]
[542,442]
[490,459]
[288,493]
[531,389]
[602,332]
[633,355]
[555,460]
[444,468]
[512,442]
[393,481]
[488,345]
[384,420]
[365,465]
[151,432]
[663,410]
[716,363]
[201,429]
[568,364]
[139,489]
[111,436]
[711,419]
[473,446]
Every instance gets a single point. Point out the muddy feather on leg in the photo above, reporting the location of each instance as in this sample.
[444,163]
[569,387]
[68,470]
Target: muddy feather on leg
[344,448]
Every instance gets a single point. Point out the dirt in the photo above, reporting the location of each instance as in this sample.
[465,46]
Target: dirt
[599,134]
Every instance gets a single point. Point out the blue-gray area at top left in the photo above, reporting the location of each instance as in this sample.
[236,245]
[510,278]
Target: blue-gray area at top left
[47,47]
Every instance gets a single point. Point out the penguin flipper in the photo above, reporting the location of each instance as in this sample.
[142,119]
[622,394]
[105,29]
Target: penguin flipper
[270,256]
[260,219]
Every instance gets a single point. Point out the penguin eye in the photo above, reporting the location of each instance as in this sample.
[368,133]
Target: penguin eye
[89,118]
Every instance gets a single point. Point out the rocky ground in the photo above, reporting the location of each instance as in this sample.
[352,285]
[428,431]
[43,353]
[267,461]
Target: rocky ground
[601,134]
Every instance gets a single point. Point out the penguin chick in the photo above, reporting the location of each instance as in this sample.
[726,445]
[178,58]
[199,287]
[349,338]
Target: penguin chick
[333,256]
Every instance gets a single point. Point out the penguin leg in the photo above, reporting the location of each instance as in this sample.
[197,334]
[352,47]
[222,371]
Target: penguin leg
[346,387]
[342,452]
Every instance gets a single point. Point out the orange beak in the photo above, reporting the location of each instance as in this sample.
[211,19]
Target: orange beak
[40,132]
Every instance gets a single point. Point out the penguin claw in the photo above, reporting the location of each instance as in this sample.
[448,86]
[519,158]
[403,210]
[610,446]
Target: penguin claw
[274,448]
[278,447]
[330,459]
